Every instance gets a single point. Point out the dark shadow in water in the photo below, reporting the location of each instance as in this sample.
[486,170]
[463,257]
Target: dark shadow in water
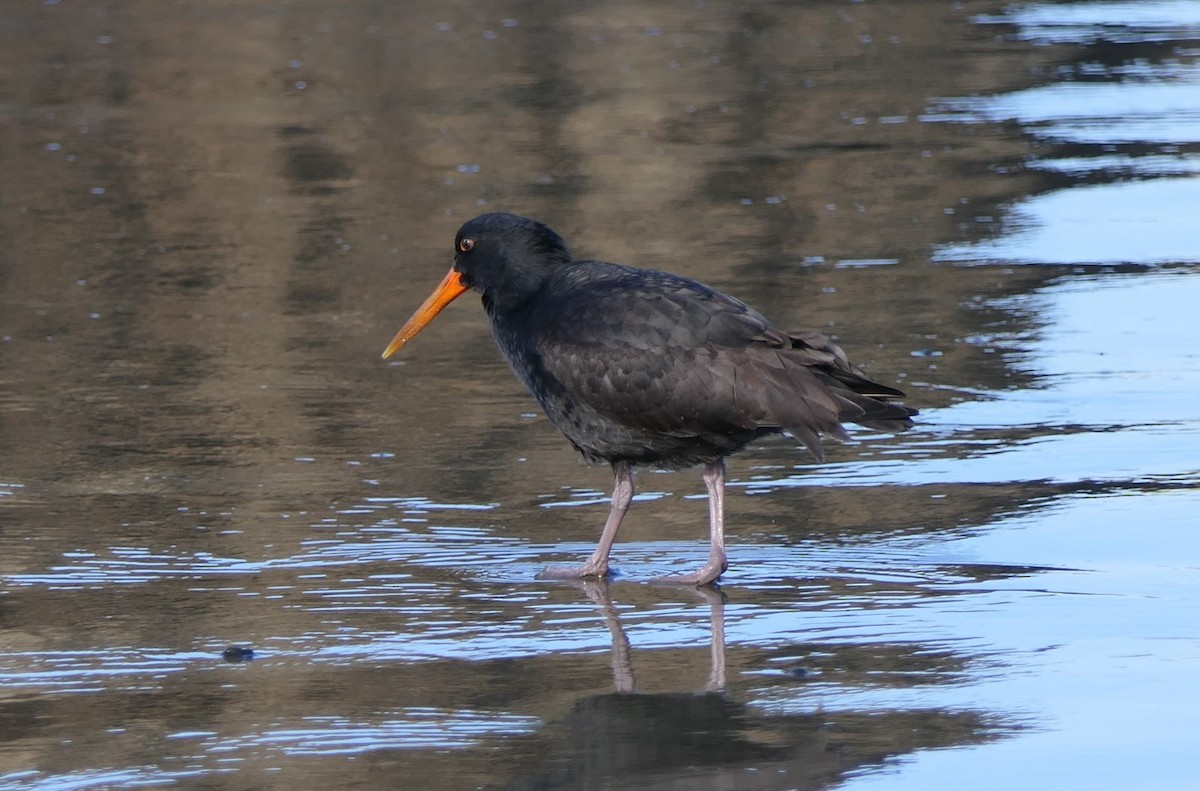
[710,740]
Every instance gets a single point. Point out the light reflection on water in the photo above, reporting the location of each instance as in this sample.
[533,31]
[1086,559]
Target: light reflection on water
[413,729]
[1085,23]
[207,752]
[1086,117]
[1143,222]
[1144,109]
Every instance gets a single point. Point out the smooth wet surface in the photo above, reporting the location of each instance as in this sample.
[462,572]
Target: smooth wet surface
[215,216]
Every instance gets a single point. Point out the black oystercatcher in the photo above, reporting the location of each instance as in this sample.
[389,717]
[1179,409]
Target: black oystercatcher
[637,366]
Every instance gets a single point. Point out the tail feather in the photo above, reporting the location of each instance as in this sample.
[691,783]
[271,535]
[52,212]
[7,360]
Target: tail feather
[804,406]
[872,401]
[812,388]
[874,412]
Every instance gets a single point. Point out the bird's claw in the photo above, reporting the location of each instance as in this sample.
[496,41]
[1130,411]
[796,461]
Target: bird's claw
[708,575]
[586,571]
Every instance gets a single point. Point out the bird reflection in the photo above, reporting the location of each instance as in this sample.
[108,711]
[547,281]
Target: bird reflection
[622,664]
[626,738]
[708,740]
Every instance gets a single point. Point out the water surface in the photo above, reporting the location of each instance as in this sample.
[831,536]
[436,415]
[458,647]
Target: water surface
[215,217]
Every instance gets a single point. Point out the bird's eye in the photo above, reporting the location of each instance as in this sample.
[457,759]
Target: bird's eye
[466,244]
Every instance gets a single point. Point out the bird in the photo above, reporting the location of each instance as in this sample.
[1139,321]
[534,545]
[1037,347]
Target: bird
[640,367]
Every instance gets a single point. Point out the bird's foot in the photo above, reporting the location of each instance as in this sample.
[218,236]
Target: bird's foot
[706,575]
[586,571]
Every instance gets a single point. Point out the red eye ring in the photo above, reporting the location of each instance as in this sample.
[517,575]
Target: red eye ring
[466,244]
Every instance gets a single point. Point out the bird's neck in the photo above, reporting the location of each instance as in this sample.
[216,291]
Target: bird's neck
[515,293]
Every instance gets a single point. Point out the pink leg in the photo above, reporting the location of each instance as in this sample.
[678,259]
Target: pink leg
[597,564]
[717,563]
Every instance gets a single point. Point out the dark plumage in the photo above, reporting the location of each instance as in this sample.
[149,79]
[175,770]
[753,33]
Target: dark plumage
[637,366]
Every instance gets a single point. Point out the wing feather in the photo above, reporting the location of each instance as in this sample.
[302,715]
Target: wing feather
[652,354]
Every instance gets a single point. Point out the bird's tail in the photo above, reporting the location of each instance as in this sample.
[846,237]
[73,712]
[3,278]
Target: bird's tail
[814,389]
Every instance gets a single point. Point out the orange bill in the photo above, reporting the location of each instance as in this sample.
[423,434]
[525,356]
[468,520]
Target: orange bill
[446,292]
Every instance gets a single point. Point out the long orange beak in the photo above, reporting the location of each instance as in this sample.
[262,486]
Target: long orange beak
[446,292]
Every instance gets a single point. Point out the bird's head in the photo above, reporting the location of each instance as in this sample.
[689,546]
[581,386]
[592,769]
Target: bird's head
[504,257]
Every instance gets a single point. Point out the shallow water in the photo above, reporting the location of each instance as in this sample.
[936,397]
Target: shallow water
[216,217]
